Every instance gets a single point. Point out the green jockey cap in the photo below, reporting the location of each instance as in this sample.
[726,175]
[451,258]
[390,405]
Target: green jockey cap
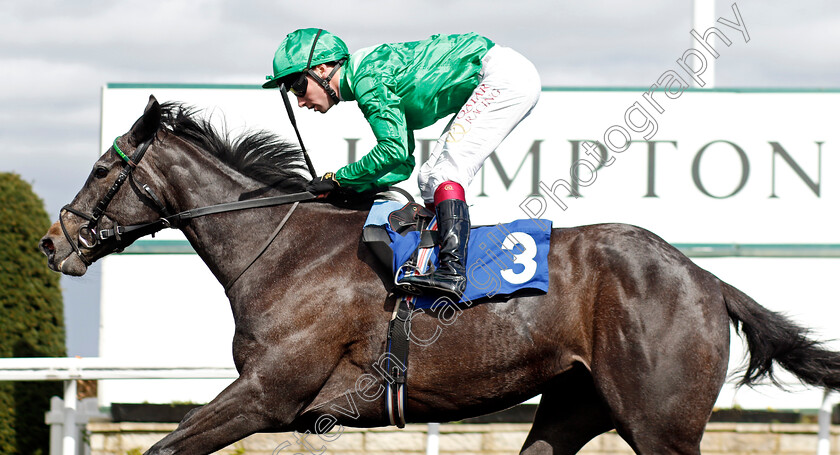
[294,53]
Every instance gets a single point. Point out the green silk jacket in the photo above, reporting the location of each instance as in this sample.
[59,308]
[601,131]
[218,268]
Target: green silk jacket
[404,87]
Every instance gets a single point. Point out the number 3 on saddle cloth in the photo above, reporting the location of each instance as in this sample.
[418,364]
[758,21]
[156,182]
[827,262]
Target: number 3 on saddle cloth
[501,260]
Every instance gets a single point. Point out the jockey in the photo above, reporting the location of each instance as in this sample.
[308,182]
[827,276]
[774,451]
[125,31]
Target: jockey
[404,87]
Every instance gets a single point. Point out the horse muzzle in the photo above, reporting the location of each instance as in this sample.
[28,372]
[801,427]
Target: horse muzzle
[60,255]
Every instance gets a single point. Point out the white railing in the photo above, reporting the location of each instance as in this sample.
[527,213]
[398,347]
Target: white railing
[67,368]
[66,415]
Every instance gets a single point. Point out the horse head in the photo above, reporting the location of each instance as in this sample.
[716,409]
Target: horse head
[168,161]
[89,227]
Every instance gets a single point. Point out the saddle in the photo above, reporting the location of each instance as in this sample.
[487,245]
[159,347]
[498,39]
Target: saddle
[502,260]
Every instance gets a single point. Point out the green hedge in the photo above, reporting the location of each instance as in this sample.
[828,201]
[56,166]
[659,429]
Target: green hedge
[31,316]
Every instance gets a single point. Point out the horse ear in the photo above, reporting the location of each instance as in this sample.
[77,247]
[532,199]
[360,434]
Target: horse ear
[146,126]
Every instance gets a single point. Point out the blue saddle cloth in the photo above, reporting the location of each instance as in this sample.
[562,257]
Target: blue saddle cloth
[502,259]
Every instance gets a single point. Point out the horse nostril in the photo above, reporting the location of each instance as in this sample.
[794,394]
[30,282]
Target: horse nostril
[47,246]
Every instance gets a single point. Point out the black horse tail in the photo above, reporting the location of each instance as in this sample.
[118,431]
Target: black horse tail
[773,337]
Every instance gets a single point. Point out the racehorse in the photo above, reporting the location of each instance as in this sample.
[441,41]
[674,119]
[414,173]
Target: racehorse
[630,336]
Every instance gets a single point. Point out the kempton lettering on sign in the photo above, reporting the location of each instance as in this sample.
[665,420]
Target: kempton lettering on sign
[571,188]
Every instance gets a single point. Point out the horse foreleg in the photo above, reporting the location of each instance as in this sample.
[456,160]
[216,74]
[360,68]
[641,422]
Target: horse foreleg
[232,415]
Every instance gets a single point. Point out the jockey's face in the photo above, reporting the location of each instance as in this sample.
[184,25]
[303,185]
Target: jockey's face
[316,97]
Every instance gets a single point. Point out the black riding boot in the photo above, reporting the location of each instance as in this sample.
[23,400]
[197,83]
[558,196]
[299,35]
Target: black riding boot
[454,230]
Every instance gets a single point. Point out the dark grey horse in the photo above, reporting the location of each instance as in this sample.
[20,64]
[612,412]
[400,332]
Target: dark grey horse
[632,335]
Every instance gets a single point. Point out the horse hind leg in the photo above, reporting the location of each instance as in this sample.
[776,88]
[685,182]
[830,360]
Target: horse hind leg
[664,411]
[661,390]
[570,414]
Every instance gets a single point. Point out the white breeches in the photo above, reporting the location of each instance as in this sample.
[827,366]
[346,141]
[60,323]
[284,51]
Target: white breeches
[507,92]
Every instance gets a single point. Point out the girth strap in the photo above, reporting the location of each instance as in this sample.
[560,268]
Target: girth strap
[399,329]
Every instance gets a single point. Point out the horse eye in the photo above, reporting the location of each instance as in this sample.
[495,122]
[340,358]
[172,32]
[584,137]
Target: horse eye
[100,172]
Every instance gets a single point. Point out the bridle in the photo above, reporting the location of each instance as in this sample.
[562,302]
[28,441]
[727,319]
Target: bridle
[91,235]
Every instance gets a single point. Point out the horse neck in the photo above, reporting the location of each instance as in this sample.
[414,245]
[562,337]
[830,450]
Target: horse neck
[196,179]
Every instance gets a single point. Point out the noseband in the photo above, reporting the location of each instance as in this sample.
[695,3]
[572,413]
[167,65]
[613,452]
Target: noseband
[91,235]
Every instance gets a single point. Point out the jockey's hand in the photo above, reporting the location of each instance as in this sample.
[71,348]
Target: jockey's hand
[322,185]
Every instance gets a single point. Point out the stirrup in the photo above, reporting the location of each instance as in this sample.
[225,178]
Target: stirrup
[438,287]
[418,264]
[405,270]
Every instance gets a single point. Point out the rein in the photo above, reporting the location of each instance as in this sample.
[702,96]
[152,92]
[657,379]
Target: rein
[179,219]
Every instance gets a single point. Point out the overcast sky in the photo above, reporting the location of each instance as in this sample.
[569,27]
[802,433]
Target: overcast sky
[55,56]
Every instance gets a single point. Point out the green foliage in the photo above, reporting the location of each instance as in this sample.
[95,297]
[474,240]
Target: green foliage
[31,316]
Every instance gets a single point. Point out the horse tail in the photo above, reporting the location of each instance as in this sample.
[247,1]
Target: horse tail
[773,337]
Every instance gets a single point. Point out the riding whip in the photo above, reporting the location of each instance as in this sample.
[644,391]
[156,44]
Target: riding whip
[294,125]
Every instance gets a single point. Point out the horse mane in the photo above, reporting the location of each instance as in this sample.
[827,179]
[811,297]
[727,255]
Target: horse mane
[260,155]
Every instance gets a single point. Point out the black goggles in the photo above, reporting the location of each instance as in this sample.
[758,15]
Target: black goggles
[296,83]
